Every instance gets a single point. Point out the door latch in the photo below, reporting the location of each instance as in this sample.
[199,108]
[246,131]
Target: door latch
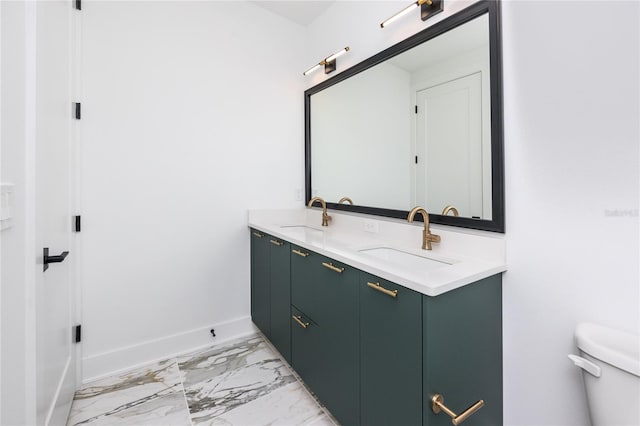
[46,259]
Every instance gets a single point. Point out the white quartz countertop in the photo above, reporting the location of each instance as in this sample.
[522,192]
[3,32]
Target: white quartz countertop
[463,257]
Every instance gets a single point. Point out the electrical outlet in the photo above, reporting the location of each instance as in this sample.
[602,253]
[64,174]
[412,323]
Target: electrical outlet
[298,194]
[371,226]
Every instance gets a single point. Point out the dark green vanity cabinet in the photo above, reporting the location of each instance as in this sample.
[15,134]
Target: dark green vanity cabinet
[271,289]
[462,352]
[390,353]
[372,351]
[325,336]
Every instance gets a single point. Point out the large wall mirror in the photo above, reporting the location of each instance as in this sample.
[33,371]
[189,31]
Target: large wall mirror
[417,124]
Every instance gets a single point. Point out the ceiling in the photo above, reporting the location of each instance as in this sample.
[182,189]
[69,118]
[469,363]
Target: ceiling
[302,12]
[471,35]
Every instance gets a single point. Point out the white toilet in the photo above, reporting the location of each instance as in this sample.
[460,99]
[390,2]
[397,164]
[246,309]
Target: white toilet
[610,362]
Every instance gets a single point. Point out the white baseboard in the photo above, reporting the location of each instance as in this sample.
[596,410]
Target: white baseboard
[119,360]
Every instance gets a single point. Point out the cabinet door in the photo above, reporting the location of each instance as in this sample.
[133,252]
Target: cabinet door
[336,313]
[260,289]
[280,282]
[463,351]
[390,353]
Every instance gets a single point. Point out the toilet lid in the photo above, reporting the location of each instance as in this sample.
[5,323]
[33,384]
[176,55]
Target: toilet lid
[615,347]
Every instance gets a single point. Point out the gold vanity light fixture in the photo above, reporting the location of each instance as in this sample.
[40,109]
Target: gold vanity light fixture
[428,8]
[329,62]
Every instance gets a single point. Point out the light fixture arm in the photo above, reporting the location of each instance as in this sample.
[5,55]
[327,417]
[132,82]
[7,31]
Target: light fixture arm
[329,62]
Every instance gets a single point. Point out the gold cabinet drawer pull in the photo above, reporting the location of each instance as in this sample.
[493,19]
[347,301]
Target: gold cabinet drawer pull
[300,253]
[377,286]
[437,405]
[257,234]
[298,319]
[277,243]
[333,268]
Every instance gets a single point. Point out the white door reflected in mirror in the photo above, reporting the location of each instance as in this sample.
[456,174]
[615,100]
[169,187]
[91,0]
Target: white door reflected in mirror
[450,147]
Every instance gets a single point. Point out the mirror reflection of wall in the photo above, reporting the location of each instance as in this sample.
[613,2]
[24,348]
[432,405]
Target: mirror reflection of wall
[413,130]
[361,139]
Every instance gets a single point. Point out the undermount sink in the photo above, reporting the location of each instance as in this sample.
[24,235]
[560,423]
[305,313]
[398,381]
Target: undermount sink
[300,227]
[303,232]
[404,259]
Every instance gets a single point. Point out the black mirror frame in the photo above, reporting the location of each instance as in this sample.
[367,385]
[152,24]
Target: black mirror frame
[492,7]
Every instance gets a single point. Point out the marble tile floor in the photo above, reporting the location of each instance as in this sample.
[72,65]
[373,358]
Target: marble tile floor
[242,382]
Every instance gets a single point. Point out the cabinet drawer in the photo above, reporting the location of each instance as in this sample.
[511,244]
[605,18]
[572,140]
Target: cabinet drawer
[320,285]
[302,271]
[306,349]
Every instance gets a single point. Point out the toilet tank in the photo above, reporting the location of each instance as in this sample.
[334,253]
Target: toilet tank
[610,361]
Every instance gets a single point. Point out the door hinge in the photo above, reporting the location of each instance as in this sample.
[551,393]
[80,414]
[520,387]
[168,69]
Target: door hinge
[78,113]
[416,109]
[78,4]
[78,224]
[77,333]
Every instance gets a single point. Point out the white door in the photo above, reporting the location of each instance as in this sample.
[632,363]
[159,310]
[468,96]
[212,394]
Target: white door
[55,353]
[449,146]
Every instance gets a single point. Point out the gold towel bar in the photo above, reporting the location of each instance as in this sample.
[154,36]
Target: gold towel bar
[437,405]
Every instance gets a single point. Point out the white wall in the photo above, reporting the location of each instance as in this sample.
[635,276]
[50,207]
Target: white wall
[571,145]
[571,136]
[192,114]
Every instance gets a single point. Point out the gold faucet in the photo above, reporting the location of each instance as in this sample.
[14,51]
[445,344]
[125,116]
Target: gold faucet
[346,200]
[325,217]
[427,236]
[450,209]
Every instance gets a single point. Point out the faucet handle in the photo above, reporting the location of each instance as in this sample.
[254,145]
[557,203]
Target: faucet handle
[428,238]
[326,219]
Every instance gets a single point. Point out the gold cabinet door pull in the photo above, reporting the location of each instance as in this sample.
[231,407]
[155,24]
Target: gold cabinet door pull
[333,268]
[257,234]
[377,286]
[300,253]
[437,405]
[277,243]
[298,319]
